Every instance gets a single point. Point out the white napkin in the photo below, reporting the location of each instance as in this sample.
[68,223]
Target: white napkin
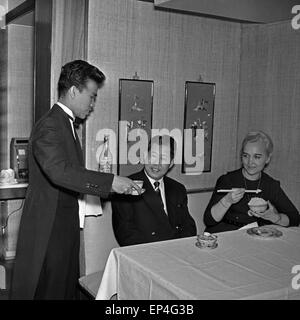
[89,206]
[250,225]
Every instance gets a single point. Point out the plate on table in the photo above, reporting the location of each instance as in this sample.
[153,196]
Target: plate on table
[264,232]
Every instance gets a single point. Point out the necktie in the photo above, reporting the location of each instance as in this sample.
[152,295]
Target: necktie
[156,187]
[157,190]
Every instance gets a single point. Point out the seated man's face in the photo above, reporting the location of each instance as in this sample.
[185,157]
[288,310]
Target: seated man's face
[159,161]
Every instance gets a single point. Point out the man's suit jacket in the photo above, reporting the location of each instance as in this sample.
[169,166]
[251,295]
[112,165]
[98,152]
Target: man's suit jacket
[140,219]
[56,177]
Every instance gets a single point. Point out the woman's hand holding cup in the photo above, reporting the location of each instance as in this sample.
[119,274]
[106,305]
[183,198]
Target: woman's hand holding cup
[270,214]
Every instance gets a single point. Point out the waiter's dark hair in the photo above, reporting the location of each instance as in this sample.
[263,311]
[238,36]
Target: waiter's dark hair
[77,73]
[164,140]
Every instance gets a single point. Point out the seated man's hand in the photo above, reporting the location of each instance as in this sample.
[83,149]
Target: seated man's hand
[124,185]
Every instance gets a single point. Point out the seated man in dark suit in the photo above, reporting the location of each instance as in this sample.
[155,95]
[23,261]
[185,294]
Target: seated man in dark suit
[161,212]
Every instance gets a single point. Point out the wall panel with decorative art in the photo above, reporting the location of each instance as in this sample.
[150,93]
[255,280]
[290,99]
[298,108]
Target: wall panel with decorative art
[135,113]
[198,114]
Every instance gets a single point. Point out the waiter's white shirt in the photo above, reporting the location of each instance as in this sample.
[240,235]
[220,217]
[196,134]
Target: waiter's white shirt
[161,188]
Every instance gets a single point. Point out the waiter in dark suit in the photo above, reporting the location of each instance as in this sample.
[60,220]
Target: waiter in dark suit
[47,256]
[161,212]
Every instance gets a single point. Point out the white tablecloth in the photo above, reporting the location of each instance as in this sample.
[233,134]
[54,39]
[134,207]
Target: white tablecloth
[241,267]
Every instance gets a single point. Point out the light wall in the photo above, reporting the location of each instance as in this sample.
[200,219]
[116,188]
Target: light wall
[17,101]
[197,203]
[128,36]
[68,37]
[270,97]
[3,98]
[20,81]
[16,86]
[14,3]
[99,239]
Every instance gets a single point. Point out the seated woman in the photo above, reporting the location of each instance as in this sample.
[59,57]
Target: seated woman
[231,211]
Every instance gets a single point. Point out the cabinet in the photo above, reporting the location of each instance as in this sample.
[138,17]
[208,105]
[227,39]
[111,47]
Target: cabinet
[7,193]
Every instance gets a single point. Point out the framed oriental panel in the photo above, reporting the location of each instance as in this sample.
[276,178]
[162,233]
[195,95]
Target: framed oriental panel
[135,119]
[198,114]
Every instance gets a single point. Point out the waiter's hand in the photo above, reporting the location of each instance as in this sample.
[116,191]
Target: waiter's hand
[124,185]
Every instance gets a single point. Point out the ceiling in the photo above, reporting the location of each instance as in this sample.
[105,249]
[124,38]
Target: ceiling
[259,11]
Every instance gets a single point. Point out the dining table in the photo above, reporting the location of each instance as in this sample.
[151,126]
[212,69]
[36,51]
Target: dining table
[242,266]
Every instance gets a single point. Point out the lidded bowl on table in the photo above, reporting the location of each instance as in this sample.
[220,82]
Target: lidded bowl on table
[207,240]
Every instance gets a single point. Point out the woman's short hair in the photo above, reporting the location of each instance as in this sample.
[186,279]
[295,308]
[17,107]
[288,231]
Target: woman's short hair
[77,73]
[254,136]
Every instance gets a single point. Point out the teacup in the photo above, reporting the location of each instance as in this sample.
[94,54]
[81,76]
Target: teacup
[206,240]
[258,205]
[140,183]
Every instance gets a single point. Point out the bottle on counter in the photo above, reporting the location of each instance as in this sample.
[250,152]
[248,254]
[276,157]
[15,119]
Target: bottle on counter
[105,158]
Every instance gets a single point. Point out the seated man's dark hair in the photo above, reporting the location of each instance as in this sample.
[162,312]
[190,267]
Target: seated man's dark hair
[77,73]
[164,140]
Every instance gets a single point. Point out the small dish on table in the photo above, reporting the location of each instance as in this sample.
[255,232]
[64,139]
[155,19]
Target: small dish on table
[264,232]
[207,240]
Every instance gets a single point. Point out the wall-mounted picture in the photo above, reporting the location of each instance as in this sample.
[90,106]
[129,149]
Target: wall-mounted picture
[198,114]
[135,107]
